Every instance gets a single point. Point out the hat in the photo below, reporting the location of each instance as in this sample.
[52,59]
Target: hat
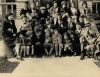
[42,8]
[9,14]
[54,1]
[63,2]
[84,2]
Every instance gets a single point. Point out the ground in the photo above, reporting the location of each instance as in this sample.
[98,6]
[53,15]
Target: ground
[55,67]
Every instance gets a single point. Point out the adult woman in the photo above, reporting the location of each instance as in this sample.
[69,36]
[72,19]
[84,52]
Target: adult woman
[9,34]
[74,12]
[85,11]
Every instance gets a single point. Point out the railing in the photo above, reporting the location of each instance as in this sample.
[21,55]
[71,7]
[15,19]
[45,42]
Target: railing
[4,9]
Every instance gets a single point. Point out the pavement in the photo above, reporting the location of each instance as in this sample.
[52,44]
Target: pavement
[55,67]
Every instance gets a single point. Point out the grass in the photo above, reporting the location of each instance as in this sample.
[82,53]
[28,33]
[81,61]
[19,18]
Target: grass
[6,66]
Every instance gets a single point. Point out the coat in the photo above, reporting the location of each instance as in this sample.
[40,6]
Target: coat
[6,26]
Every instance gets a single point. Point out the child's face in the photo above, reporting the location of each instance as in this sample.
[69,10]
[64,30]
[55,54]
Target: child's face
[81,19]
[65,37]
[49,26]
[38,33]
[78,26]
[42,11]
[69,19]
[27,14]
[56,32]
[24,19]
[71,36]
[47,34]
[64,5]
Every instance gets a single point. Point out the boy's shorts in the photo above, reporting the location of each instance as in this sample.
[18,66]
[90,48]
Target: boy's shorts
[47,45]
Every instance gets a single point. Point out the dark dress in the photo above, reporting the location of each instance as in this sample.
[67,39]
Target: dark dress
[8,36]
[38,48]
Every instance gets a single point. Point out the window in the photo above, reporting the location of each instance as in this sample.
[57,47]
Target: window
[10,0]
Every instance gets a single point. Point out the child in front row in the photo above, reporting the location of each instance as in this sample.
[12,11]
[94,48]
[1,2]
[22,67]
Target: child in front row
[25,35]
[57,41]
[48,46]
[67,45]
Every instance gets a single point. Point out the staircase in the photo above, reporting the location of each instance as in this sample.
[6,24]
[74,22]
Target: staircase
[18,8]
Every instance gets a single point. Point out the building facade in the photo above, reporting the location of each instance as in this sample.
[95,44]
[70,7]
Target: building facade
[15,6]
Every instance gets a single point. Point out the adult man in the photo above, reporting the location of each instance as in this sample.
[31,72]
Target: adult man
[88,40]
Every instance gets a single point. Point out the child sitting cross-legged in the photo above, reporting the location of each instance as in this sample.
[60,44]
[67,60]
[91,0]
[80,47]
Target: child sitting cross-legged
[67,45]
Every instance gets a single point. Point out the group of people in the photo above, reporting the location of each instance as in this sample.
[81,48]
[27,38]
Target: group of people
[47,29]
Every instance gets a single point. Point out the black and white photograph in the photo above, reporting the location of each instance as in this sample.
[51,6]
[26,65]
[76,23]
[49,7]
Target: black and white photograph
[49,38]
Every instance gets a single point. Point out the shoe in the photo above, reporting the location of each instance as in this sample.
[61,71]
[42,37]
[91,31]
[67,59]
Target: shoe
[56,56]
[75,54]
[88,56]
[60,55]
[21,59]
[82,56]
[32,56]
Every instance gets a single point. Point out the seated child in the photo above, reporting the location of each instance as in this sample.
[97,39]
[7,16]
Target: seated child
[57,41]
[73,40]
[67,44]
[25,34]
[48,43]
[90,48]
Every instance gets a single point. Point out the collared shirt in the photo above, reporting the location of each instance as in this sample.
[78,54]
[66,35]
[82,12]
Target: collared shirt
[57,38]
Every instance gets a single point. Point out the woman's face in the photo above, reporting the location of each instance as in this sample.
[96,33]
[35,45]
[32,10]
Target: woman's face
[32,6]
[73,5]
[48,6]
[37,3]
[84,5]
[55,4]
[10,17]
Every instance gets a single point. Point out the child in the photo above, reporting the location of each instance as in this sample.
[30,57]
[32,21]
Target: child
[48,42]
[73,40]
[57,41]
[38,43]
[25,34]
[67,44]
[90,48]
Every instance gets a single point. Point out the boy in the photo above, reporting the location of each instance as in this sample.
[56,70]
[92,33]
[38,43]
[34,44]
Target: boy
[48,42]
[38,41]
[57,41]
